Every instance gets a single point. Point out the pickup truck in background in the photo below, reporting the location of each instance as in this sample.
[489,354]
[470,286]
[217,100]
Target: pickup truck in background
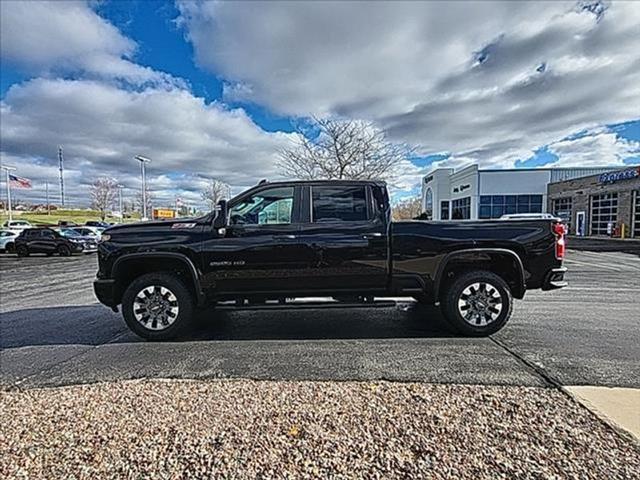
[280,241]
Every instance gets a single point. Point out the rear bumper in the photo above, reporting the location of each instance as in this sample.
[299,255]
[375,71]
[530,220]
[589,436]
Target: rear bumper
[554,279]
[105,291]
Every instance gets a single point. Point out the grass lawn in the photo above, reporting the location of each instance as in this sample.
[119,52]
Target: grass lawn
[77,216]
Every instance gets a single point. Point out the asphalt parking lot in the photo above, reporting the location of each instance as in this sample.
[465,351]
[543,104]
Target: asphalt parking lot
[53,332]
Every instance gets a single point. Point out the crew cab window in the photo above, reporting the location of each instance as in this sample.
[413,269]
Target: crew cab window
[272,206]
[339,203]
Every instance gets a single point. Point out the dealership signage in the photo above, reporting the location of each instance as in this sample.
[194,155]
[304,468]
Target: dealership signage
[628,174]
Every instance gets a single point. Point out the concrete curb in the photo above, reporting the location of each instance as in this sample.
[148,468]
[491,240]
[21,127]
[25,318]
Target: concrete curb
[600,415]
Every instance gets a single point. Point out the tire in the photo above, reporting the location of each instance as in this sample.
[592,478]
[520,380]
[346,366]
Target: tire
[22,251]
[174,306]
[477,303]
[64,251]
[9,247]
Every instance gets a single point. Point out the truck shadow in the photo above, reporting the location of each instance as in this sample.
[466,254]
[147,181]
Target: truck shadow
[96,325]
[403,321]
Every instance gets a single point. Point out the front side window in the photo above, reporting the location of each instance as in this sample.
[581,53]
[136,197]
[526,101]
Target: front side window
[272,206]
[47,234]
[339,203]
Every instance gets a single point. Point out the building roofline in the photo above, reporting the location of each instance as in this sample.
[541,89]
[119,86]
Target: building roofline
[543,169]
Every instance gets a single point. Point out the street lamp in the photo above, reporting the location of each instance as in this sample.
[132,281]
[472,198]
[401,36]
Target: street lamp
[142,161]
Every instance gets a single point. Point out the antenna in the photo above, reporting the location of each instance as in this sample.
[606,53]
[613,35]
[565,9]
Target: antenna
[61,163]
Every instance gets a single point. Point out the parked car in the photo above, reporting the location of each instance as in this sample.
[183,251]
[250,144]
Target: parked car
[279,241]
[95,223]
[66,223]
[94,232]
[7,240]
[16,224]
[527,216]
[47,240]
[90,242]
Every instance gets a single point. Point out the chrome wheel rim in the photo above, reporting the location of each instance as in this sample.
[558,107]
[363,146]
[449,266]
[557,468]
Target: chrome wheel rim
[156,307]
[480,304]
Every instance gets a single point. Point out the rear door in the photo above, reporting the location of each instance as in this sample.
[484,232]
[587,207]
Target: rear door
[47,241]
[345,237]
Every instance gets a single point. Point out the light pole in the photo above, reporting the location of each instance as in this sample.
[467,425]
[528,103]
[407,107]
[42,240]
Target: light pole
[142,161]
[120,187]
[7,169]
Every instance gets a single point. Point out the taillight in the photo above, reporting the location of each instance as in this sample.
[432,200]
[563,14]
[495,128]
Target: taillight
[559,230]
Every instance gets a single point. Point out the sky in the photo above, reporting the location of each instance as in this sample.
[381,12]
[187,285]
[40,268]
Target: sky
[215,89]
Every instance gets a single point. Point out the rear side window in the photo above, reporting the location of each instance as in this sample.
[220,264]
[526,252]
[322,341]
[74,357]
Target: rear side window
[339,203]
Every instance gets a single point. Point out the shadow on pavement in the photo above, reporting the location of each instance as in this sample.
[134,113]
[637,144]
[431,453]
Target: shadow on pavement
[96,325]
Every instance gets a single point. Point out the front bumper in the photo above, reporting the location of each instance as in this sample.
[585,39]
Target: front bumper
[555,279]
[105,291]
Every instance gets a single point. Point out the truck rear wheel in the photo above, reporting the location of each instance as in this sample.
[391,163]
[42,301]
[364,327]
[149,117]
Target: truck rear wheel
[477,303]
[157,306]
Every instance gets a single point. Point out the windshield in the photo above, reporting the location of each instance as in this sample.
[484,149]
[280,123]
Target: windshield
[67,232]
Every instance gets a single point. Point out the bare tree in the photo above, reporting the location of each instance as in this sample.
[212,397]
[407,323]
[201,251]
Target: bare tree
[215,191]
[103,194]
[342,149]
[407,209]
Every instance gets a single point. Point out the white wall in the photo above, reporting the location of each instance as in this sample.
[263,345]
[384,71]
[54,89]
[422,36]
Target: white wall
[510,182]
[440,185]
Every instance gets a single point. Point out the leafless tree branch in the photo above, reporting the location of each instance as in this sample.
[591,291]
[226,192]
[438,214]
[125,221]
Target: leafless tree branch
[103,194]
[342,149]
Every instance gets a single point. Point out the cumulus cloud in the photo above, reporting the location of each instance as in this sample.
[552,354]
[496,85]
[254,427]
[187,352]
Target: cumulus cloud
[485,81]
[599,147]
[102,127]
[62,36]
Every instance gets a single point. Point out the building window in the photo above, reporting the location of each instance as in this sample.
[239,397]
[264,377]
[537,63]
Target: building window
[428,204]
[636,214]
[444,210]
[562,208]
[494,206]
[461,209]
[604,210]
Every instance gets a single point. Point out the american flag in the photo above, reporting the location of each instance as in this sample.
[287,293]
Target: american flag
[19,182]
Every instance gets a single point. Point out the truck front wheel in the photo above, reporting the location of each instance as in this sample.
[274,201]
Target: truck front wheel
[157,306]
[477,303]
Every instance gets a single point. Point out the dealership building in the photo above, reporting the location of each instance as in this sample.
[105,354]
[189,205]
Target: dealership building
[592,201]
[472,193]
[601,204]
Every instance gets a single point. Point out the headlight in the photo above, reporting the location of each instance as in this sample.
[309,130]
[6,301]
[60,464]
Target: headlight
[75,240]
[104,238]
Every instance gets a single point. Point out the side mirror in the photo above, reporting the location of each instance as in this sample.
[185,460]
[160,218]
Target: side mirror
[222,217]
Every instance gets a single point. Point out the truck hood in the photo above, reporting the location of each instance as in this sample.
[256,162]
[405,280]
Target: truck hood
[154,225]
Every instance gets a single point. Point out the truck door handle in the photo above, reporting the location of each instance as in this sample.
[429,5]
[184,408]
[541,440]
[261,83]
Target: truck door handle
[284,237]
[369,236]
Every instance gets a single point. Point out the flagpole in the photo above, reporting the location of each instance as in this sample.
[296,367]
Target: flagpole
[7,168]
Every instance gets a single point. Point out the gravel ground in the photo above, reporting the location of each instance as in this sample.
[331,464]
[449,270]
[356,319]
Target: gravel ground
[250,429]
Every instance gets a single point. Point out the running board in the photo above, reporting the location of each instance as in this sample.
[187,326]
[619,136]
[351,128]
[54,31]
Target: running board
[302,305]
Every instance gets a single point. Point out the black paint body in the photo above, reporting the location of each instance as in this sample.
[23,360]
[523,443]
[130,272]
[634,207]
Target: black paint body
[376,257]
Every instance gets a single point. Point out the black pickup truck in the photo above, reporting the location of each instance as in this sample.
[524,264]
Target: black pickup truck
[278,242]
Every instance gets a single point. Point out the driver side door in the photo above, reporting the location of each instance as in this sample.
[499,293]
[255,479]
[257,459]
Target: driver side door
[259,251]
